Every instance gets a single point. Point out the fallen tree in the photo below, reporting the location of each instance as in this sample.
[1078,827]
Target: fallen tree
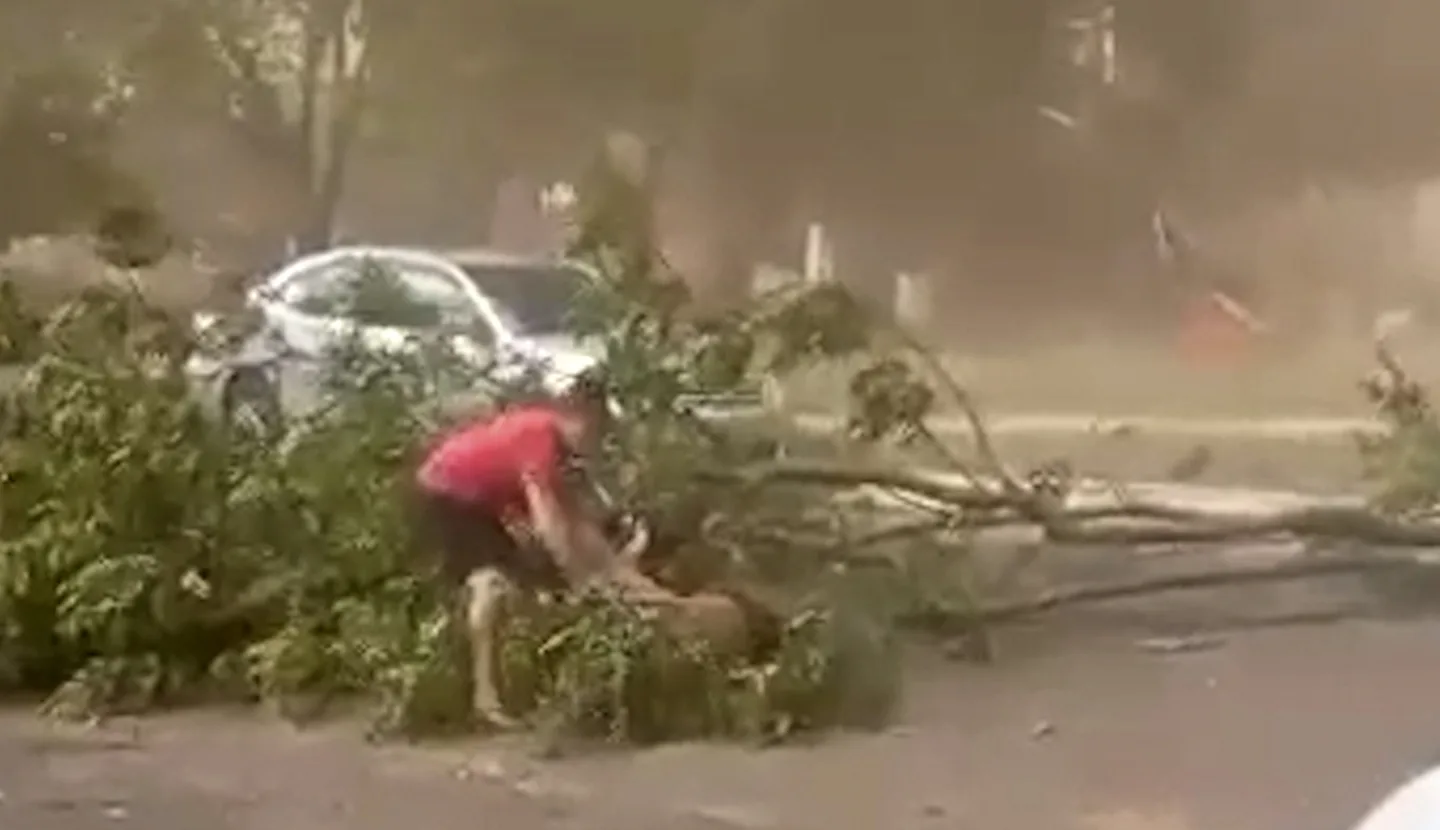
[149,556]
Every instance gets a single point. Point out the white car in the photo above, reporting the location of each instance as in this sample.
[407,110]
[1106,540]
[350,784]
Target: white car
[1415,805]
[495,310]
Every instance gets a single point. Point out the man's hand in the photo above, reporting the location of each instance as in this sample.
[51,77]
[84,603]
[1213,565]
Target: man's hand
[633,538]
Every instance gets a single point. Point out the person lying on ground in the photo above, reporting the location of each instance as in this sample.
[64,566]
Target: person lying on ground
[487,492]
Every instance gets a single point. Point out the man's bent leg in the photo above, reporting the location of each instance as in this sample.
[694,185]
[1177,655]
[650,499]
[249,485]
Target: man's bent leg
[485,591]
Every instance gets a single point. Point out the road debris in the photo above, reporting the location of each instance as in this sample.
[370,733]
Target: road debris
[1181,645]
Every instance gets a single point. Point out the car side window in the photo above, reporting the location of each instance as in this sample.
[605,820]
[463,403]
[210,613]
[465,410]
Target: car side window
[317,291]
[362,290]
[399,294]
[452,304]
[382,294]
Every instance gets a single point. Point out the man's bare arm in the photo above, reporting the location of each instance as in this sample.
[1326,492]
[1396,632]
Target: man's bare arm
[581,549]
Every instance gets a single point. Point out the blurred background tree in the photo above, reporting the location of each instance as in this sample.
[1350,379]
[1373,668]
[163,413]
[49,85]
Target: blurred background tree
[982,139]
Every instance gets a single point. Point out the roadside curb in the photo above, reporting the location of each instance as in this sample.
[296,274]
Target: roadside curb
[1293,428]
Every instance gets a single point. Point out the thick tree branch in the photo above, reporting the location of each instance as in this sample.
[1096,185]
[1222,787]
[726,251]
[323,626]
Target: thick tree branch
[1130,523]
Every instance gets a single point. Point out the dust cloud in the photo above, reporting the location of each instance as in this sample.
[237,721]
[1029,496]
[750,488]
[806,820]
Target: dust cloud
[1066,173]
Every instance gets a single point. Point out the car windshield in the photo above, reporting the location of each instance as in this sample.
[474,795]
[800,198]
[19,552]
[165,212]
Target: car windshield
[533,299]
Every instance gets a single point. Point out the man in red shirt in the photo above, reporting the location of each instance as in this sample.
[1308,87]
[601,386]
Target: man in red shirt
[489,486]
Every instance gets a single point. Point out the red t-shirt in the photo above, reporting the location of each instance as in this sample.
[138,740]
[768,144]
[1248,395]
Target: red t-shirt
[487,462]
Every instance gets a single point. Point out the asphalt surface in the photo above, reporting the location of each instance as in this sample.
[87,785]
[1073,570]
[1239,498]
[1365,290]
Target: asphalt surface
[1288,729]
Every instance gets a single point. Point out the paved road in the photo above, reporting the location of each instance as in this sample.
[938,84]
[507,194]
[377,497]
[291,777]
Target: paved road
[1280,730]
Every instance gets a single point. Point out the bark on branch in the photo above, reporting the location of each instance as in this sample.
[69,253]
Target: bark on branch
[1132,522]
[996,497]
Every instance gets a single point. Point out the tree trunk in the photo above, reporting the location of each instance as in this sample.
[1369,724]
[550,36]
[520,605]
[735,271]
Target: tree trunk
[329,151]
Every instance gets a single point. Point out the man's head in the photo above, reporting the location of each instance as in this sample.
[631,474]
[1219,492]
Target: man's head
[584,410]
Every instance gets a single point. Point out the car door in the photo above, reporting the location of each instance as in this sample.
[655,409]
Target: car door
[300,306]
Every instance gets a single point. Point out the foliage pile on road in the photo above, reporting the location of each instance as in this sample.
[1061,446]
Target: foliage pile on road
[149,556]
